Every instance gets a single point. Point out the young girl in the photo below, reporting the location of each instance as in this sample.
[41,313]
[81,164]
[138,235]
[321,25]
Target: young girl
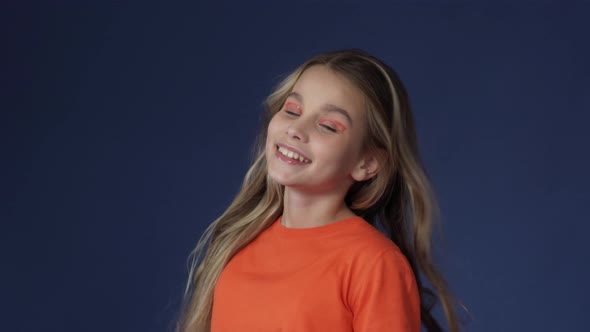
[331,228]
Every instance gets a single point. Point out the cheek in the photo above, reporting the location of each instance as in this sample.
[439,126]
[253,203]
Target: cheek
[271,131]
[274,126]
[339,156]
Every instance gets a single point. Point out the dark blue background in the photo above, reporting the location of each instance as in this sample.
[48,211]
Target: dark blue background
[126,129]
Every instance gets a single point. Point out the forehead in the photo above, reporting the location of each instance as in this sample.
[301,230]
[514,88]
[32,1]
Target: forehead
[319,85]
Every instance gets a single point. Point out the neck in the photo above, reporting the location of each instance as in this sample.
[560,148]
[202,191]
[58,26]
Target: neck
[304,209]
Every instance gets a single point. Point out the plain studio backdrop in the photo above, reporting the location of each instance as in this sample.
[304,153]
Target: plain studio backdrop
[126,128]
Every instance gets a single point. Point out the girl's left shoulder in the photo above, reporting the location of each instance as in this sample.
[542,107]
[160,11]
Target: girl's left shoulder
[368,240]
[364,246]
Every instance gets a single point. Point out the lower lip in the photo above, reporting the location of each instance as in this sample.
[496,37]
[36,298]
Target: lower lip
[287,159]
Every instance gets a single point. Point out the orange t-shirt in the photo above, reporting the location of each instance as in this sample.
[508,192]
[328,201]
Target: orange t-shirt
[344,276]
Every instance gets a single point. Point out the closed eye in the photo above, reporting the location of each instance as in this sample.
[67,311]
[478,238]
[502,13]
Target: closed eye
[292,109]
[329,128]
[333,126]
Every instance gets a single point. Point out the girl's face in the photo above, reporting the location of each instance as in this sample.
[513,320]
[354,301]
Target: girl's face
[314,142]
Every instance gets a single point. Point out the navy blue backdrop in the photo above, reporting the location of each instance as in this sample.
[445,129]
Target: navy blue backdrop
[126,129]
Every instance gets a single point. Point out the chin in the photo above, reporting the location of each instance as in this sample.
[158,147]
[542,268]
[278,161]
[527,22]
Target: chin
[282,179]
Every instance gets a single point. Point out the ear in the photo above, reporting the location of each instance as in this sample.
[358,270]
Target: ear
[366,168]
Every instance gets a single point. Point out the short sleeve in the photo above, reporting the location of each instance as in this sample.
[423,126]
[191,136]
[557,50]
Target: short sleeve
[384,296]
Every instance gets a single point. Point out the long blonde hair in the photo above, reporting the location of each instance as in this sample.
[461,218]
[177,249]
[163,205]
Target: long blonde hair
[399,199]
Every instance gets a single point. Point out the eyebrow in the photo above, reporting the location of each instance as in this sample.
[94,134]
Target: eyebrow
[326,107]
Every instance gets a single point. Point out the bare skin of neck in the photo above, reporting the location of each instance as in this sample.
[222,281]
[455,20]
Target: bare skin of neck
[304,209]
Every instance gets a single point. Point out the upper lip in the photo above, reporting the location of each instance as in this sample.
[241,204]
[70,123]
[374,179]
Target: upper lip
[293,150]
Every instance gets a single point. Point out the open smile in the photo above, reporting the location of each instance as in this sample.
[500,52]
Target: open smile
[290,156]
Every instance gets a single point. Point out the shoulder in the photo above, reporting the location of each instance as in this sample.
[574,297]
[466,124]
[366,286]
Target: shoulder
[382,291]
[368,242]
[369,252]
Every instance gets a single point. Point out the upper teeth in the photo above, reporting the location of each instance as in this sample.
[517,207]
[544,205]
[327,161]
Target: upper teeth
[291,154]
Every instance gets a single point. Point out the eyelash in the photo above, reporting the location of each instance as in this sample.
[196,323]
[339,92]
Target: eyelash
[328,128]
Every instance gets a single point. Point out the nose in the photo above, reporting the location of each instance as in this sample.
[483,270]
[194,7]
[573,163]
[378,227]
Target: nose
[297,130]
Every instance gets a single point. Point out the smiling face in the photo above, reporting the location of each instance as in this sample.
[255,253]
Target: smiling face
[315,140]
